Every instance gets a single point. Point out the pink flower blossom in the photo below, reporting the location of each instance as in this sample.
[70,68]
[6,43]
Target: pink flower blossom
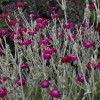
[20,82]
[1,52]
[45,21]
[54,8]
[12,23]
[97,65]
[3,16]
[69,26]
[88,44]
[92,7]
[89,66]
[22,30]
[15,36]
[24,66]
[55,93]
[20,4]
[3,92]
[81,79]
[50,38]
[39,20]
[45,84]
[18,37]
[43,42]
[41,25]
[56,15]
[47,56]
[66,59]
[74,58]
[3,80]
[4,32]
[32,32]
[71,36]
[50,51]
[26,42]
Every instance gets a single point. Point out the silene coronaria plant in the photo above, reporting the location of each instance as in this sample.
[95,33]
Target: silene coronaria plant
[53,59]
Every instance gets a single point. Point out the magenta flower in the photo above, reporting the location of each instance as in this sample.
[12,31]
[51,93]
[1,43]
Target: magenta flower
[54,8]
[81,79]
[56,15]
[22,43]
[39,20]
[88,44]
[26,42]
[41,25]
[43,42]
[74,57]
[55,93]
[4,32]
[18,37]
[24,66]
[22,30]
[32,32]
[89,66]
[92,7]
[1,52]
[71,36]
[45,84]
[20,4]
[3,80]
[97,65]
[50,38]
[20,82]
[47,56]
[66,59]
[3,92]
[69,26]
[12,23]
[50,51]
[3,16]
[45,21]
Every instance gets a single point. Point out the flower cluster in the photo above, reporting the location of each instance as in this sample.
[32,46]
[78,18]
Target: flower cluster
[54,59]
